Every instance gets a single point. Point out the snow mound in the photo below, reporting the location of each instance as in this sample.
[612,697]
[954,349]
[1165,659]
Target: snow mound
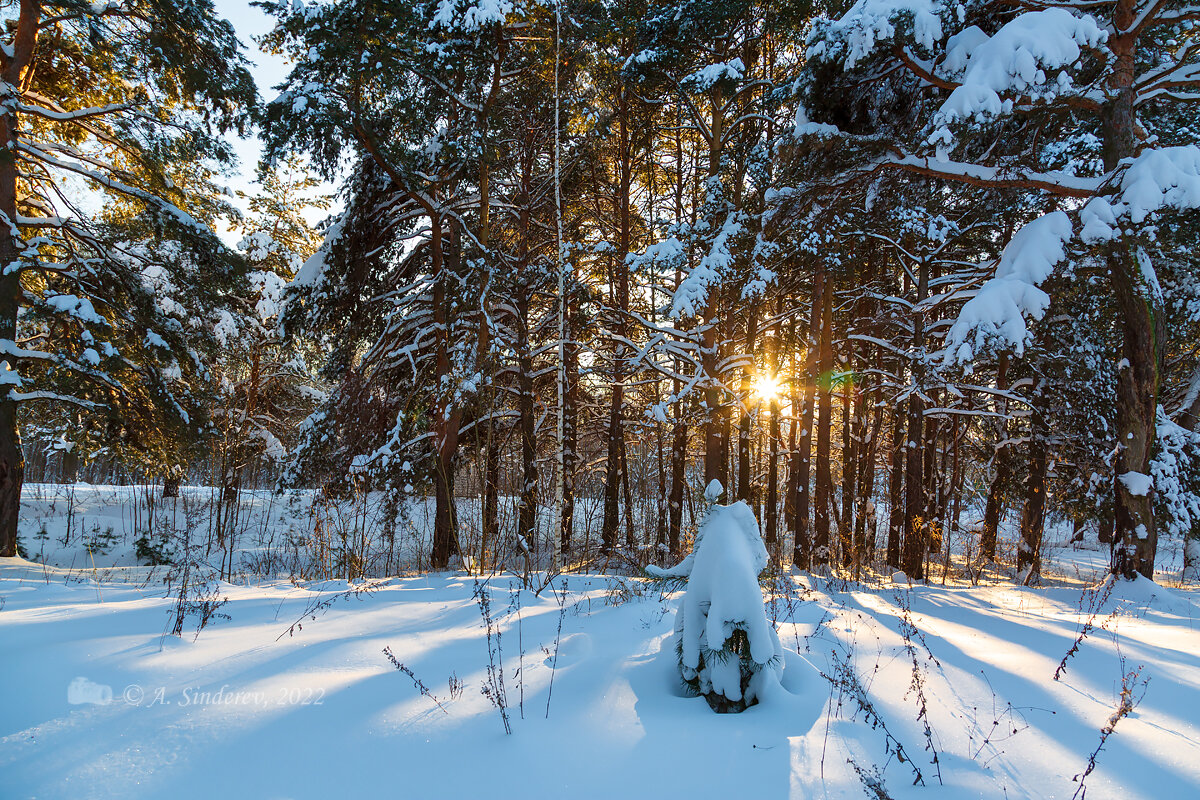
[728,650]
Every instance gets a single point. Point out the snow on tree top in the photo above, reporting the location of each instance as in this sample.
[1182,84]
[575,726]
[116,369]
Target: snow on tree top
[869,22]
[1016,59]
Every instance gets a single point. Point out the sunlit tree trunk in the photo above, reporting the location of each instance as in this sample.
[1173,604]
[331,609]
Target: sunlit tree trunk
[12,459]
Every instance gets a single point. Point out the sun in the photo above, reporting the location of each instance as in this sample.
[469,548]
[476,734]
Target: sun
[767,387]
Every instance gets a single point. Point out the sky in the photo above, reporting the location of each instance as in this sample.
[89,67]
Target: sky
[269,71]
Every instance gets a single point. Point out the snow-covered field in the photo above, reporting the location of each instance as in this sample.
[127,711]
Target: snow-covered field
[287,691]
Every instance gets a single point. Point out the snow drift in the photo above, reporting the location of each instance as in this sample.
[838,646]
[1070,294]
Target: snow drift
[728,651]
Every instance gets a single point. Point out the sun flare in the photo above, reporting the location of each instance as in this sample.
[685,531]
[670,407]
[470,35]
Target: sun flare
[767,387]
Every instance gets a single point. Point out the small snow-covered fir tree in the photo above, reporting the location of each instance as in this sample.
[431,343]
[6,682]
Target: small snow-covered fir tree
[728,651]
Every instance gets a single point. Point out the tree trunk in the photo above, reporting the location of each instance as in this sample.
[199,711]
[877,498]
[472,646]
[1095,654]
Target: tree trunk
[491,490]
[851,419]
[527,514]
[994,508]
[745,490]
[446,416]
[771,501]
[915,504]
[570,443]
[613,477]
[1029,554]
[1137,385]
[678,483]
[802,456]
[716,435]
[896,465]
[823,496]
[12,459]
[528,498]
[869,444]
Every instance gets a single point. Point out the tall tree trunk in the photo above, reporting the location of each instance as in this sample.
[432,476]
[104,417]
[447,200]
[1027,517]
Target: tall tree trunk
[491,489]
[851,419]
[570,458]
[613,477]
[865,520]
[678,484]
[802,457]
[771,501]
[1029,553]
[716,433]
[528,497]
[627,492]
[527,514]
[916,527]
[446,416]
[12,459]
[679,434]
[792,486]
[823,497]
[994,508]
[745,489]
[1137,385]
[897,467]
[933,469]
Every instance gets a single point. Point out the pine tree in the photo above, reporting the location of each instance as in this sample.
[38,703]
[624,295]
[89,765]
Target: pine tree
[97,311]
[1083,74]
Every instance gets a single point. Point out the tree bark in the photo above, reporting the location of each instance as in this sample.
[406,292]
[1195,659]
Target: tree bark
[994,508]
[745,490]
[12,458]
[802,456]
[1029,554]
[897,465]
[915,504]
[447,415]
[1137,385]
[851,421]
[823,497]
[613,477]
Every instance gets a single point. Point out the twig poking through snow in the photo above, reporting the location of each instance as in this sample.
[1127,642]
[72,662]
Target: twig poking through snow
[421,687]
[562,611]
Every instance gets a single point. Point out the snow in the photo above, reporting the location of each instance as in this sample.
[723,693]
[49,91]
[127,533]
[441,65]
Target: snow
[1017,59]
[704,79]
[243,709]
[997,313]
[722,596]
[78,307]
[470,17]
[871,22]
[1137,483]
[1158,179]
[313,270]
[154,340]
[692,294]
[8,375]
[804,127]
[1176,450]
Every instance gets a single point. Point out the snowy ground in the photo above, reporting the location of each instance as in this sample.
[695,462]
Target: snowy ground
[255,705]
